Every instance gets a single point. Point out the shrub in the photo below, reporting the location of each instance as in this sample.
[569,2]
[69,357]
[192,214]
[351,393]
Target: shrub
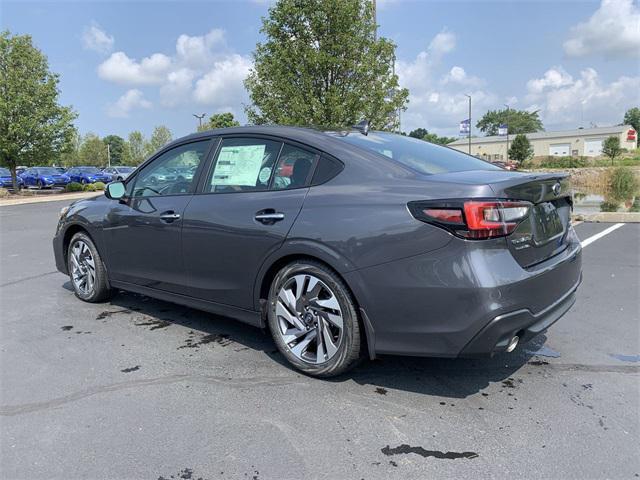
[99,185]
[89,187]
[623,184]
[73,187]
[635,207]
[4,192]
[564,162]
[608,206]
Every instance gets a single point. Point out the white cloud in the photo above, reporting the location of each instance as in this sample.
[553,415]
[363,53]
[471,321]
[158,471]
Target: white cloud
[439,105]
[121,69]
[131,99]
[564,101]
[613,30]
[201,70]
[224,81]
[555,77]
[458,75]
[96,39]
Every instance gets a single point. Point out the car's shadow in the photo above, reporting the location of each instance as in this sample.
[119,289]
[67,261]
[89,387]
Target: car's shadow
[452,378]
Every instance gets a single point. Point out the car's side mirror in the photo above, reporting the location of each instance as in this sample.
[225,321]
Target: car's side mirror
[115,190]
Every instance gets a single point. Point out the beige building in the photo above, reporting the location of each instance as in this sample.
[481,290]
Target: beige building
[585,142]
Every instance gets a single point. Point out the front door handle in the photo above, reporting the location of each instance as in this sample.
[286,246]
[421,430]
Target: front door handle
[169,216]
[269,216]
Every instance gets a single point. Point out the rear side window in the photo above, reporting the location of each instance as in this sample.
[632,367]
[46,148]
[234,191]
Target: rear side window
[421,156]
[328,167]
[243,164]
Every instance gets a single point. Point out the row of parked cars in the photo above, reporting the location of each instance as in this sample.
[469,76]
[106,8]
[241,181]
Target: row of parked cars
[49,177]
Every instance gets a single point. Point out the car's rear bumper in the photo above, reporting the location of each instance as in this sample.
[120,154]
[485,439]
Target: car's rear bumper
[463,298]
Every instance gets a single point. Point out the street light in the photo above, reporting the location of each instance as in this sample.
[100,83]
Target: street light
[507,123]
[469,134]
[199,117]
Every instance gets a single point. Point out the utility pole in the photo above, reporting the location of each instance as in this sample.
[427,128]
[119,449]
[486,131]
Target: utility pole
[108,155]
[507,123]
[469,134]
[199,117]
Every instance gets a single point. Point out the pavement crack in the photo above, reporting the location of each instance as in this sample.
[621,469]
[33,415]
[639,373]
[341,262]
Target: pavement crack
[26,279]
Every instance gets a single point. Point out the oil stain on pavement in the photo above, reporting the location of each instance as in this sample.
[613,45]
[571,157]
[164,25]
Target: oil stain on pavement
[406,449]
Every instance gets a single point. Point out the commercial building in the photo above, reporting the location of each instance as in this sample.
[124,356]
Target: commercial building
[585,142]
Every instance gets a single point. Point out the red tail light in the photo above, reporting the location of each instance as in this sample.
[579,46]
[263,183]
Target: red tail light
[473,219]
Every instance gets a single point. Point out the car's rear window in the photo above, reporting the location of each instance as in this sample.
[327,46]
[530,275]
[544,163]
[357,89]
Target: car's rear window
[421,156]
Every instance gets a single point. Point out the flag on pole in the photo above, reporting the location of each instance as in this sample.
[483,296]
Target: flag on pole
[465,127]
[503,129]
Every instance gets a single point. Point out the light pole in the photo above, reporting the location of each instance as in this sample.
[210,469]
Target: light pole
[507,123]
[199,117]
[469,134]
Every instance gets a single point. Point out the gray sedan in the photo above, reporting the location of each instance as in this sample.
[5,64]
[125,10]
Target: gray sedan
[343,244]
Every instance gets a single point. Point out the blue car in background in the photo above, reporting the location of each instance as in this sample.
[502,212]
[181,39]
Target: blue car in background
[86,175]
[5,179]
[44,177]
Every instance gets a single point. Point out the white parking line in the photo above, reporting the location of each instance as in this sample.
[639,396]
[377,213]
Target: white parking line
[598,236]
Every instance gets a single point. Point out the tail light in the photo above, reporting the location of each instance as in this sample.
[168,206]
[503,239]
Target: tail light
[473,219]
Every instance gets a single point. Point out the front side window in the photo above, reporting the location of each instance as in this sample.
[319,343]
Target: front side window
[243,164]
[294,168]
[420,156]
[172,173]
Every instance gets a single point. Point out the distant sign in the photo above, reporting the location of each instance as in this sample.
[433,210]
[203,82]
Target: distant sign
[631,135]
[503,129]
[465,127]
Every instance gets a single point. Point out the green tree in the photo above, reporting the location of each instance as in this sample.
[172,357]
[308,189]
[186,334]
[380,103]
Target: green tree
[219,120]
[518,121]
[71,154]
[159,138]
[33,126]
[611,148]
[137,147]
[632,117]
[321,64]
[419,133]
[116,146]
[521,149]
[93,151]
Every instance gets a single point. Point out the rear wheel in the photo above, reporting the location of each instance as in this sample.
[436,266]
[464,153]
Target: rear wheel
[313,319]
[87,272]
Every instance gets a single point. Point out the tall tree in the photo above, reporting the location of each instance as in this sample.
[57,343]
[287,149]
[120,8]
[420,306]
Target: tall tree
[219,120]
[611,148]
[93,151]
[632,117]
[423,134]
[159,138]
[419,133]
[116,148]
[518,121]
[321,64]
[521,149]
[33,126]
[137,148]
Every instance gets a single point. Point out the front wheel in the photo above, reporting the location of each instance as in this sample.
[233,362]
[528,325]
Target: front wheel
[313,319]
[87,272]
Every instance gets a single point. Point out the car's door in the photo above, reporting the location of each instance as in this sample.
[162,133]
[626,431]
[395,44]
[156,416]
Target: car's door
[242,212]
[27,177]
[143,230]
[72,174]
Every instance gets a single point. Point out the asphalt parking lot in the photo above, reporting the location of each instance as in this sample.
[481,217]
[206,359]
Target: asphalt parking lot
[143,389]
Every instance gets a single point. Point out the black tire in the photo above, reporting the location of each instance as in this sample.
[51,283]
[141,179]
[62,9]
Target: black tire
[40,185]
[101,290]
[349,351]
[83,181]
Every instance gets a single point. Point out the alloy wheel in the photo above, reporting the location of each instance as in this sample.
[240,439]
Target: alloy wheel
[83,268]
[309,318]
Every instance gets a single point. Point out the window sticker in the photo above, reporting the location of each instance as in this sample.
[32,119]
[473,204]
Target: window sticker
[238,165]
[265,173]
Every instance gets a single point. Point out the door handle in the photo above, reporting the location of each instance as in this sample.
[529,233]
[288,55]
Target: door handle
[169,216]
[269,216]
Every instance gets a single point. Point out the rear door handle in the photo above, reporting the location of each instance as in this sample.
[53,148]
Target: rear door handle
[169,216]
[269,216]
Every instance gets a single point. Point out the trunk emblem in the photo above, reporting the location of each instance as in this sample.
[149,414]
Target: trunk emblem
[556,188]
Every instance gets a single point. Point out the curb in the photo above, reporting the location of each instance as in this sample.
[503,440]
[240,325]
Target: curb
[49,198]
[608,217]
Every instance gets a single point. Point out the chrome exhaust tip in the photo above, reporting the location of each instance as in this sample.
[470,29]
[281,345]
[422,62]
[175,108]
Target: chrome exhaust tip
[513,343]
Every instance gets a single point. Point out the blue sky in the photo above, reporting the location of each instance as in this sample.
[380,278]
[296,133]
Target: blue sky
[134,65]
